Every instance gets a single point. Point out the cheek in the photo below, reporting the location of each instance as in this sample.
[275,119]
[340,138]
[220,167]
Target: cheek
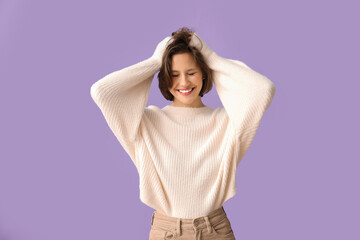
[173,85]
[199,81]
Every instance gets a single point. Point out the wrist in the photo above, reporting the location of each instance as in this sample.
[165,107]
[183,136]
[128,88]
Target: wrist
[155,61]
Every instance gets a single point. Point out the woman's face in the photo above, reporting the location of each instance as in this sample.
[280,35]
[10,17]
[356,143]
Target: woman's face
[186,75]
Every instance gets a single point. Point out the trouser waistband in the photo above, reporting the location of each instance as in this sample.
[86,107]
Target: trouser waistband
[189,223]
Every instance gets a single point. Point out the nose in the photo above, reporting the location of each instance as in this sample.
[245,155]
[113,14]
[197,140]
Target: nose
[184,81]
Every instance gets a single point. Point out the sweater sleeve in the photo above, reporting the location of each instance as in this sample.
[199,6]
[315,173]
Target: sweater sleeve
[122,96]
[244,93]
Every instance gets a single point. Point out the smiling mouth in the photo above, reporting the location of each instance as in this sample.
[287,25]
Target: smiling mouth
[186,92]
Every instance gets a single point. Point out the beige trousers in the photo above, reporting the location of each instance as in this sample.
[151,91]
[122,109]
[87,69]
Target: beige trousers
[215,225]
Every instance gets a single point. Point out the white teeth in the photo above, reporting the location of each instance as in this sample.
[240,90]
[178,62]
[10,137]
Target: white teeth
[185,90]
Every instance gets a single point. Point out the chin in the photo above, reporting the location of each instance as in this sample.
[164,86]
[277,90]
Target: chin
[189,102]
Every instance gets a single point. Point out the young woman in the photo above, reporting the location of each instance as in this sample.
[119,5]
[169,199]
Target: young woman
[186,153]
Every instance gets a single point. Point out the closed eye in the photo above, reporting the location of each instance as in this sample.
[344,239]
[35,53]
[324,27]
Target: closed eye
[189,74]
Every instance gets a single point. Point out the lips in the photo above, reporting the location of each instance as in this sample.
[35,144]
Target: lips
[186,93]
[184,89]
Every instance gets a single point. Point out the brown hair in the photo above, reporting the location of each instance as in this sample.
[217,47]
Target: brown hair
[180,44]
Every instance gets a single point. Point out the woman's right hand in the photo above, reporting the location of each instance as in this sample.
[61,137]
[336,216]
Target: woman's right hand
[160,49]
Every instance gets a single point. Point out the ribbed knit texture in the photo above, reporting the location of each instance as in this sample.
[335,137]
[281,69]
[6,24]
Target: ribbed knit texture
[186,157]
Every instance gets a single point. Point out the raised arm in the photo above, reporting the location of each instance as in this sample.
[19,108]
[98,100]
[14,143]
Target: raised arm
[244,93]
[122,96]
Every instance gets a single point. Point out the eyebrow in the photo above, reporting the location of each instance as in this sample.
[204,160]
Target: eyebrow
[191,69]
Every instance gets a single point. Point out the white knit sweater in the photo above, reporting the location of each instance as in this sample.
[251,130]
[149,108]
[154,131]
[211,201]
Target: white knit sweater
[186,157]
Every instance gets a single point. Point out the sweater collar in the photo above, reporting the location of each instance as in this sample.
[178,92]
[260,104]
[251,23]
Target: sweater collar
[185,111]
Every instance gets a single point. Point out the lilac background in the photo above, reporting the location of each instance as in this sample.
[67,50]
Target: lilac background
[63,174]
